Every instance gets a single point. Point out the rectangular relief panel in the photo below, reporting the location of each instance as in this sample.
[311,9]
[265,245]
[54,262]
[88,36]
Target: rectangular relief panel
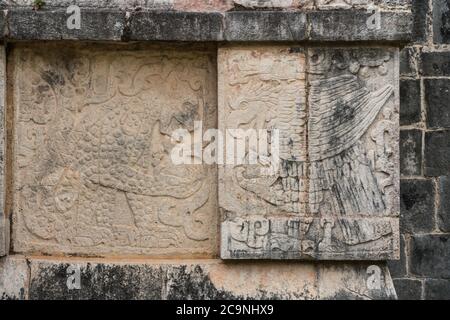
[93,172]
[324,183]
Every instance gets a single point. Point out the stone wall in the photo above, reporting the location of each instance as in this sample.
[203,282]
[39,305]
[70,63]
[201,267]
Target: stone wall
[318,47]
[422,272]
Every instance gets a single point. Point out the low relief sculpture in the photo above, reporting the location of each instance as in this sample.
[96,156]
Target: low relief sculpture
[92,151]
[335,193]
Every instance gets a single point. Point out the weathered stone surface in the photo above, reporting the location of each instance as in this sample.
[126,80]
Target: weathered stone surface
[98,281]
[188,22]
[435,64]
[430,256]
[4,225]
[272,4]
[312,205]
[437,95]
[437,153]
[13,278]
[417,206]
[420,9]
[208,279]
[397,268]
[27,24]
[93,170]
[265,26]
[441,21]
[408,289]
[357,281]
[410,101]
[411,152]
[250,280]
[437,289]
[347,4]
[408,65]
[353,26]
[175,26]
[444,204]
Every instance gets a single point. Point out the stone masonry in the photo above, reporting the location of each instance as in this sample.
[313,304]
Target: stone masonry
[358,207]
[422,272]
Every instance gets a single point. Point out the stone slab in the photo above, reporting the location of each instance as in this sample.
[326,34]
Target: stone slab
[348,25]
[14,277]
[175,26]
[207,279]
[4,225]
[330,190]
[265,26]
[93,171]
[96,25]
[109,24]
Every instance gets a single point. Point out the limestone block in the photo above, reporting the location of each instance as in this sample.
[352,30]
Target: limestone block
[206,279]
[347,4]
[93,173]
[4,225]
[356,281]
[13,278]
[329,189]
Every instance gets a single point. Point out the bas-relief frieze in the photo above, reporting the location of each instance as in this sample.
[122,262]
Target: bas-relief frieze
[92,167]
[93,173]
[335,194]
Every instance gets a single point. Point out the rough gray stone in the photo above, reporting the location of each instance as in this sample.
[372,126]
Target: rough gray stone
[352,26]
[444,204]
[109,24]
[411,152]
[420,9]
[265,26]
[437,289]
[407,61]
[397,268]
[49,281]
[409,102]
[441,21]
[417,206]
[175,26]
[437,96]
[430,256]
[27,24]
[437,153]
[435,64]
[408,289]
[4,225]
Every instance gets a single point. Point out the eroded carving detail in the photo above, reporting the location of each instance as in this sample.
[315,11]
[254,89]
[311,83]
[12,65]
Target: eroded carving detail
[334,196]
[94,173]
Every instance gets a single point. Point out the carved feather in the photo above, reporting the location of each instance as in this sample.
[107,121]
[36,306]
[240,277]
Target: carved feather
[341,111]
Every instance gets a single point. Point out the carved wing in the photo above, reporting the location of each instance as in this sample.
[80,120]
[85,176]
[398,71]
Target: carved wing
[341,111]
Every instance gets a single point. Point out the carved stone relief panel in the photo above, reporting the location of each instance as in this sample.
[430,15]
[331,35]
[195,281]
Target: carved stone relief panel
[333,194]
[92,167]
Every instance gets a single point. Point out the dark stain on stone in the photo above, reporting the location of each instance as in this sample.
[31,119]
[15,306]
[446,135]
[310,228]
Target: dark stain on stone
[445,27]
[194,285]
[52,78]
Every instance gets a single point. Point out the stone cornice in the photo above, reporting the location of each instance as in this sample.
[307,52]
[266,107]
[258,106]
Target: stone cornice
[24,23]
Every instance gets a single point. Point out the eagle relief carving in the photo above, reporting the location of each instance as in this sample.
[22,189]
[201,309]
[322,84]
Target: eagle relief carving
[334,195]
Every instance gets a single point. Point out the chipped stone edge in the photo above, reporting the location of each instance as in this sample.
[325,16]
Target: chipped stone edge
[172,25]
[4,222]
